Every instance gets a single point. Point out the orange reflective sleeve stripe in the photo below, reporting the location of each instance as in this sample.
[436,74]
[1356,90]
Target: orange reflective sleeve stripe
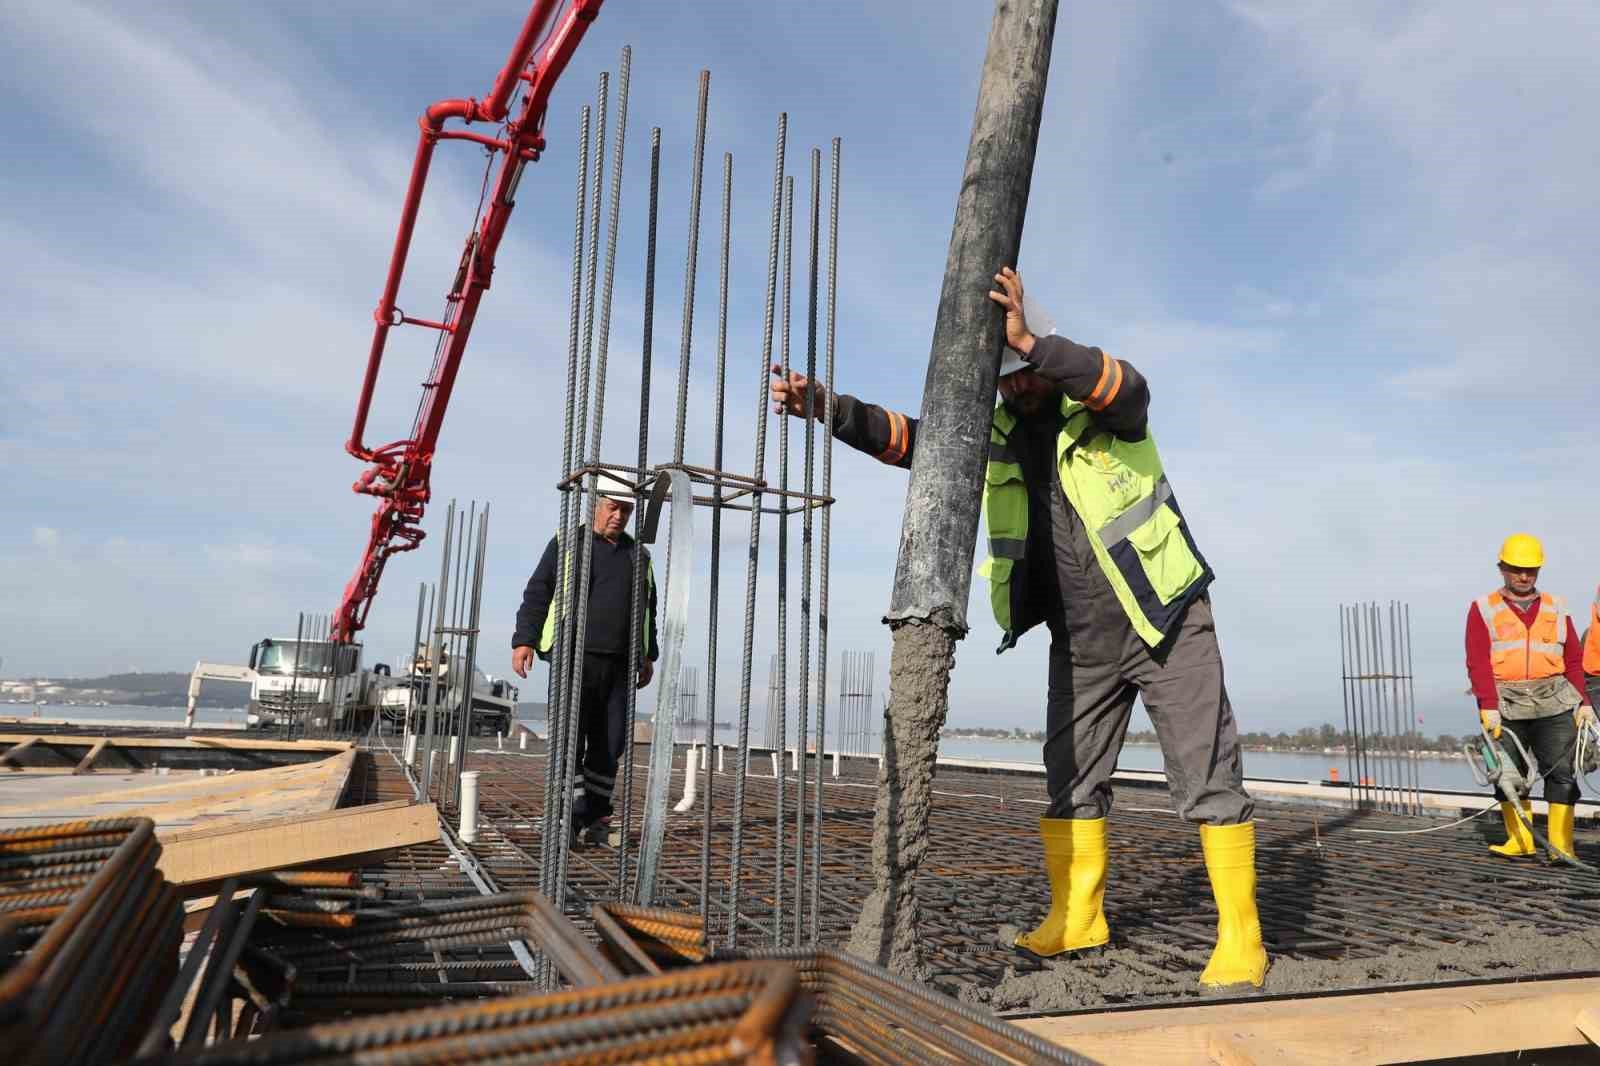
[898,432]
[1109,385]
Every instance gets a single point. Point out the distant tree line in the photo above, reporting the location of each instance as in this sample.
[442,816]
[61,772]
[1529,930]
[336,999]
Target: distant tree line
[1308,739]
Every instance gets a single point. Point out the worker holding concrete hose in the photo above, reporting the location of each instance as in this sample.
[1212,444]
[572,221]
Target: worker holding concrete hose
[603,706]
[1525,665]
[1085,536]
[1591,652]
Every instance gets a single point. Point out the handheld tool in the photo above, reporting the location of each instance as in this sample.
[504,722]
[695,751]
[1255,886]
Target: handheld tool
[1492,765]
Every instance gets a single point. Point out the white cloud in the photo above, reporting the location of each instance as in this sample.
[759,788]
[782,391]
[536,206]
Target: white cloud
[47,538]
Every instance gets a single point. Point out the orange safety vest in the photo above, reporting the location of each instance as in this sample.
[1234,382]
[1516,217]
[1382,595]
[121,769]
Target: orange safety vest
[1520,653]
[1591,643]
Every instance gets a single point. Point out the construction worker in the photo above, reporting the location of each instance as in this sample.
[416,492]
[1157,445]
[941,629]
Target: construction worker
[603,706]
[1591,651]
[1085,536]
[1526,669]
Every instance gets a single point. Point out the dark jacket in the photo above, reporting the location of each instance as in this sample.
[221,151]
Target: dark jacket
[610,598]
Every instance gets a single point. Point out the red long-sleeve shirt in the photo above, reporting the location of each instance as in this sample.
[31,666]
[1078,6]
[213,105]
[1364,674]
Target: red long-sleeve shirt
[1480,667]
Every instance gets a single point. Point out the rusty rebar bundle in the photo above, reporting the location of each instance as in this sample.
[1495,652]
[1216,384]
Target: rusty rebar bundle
[89,933]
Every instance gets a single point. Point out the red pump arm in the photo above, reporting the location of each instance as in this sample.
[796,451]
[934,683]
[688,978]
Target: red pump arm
[399,474]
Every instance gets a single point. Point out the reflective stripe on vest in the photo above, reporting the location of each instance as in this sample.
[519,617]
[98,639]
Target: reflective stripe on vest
[1591,642]
[1519,652]
[1132,523]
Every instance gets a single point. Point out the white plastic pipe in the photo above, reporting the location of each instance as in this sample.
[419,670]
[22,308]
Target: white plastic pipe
[469,806]
[411,750]
[452,760]
[691,775]
[794,758]
[719,758]
[835,764]
[500,741]
[522,740]
[774,765]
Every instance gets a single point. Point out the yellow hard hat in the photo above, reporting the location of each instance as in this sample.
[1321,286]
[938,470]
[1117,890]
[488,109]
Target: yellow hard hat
[1522,549]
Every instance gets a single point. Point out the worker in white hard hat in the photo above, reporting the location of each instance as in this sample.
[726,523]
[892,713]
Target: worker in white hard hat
[1526,668]
[603,706]
[1086,537]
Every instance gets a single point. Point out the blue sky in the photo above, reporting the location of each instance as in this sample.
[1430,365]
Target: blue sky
[1352,245]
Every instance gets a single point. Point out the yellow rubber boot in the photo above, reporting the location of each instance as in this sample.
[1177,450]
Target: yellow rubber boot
[1560,828]
[1239,957]
[1519,841]
[1075,858]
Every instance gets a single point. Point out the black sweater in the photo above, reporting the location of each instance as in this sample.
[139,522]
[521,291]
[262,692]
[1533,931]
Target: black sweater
[610,598]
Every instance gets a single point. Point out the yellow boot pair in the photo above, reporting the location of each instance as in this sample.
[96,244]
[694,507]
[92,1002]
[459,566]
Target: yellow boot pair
[1075,857]
[1519,841]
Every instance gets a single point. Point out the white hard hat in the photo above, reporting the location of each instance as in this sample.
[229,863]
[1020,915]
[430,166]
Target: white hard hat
[1040,324]
[613,487]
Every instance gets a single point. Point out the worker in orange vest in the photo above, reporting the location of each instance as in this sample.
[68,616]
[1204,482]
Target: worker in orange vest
[1591,649]
[1526,668]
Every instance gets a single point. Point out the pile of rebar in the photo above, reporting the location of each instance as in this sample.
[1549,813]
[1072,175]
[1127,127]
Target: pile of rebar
[89,934]
[731,1013]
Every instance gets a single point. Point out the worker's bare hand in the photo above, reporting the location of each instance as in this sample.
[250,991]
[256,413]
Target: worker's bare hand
[1584,716]
[1009,296]
[521,660]
[647,670]
[789,394]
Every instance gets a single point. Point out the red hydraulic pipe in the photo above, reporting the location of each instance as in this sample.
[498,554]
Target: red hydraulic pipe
[400,474]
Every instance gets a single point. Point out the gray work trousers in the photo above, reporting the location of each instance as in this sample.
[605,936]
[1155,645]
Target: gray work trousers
[1092,689]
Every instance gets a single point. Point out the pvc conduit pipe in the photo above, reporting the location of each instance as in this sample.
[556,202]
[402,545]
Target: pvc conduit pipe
[469,806]
[522,740]
[411,750]
[835,764]
[691,775]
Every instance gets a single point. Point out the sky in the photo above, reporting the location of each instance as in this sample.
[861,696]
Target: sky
[1352,245]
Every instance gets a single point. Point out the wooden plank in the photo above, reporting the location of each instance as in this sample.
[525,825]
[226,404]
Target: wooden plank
[22,745]
[84,740]
[1588,1024]
[86,764]
[199,856]
[1376,1027]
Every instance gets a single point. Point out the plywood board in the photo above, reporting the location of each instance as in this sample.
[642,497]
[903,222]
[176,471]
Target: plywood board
[1377,1027]
[206,855]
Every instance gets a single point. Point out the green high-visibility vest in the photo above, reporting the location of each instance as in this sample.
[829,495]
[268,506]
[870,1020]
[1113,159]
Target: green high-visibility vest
[547,635]
[1122,496]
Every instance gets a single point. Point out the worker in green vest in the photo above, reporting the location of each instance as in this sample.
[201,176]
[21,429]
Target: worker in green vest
[1086,537]
[603,702]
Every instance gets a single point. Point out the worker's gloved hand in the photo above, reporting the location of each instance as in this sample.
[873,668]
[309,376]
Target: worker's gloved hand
[647,670]
[789,394]
[1584,716]
[1491,721]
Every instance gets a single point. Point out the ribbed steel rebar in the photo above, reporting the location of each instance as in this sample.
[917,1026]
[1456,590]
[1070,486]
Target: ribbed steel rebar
[690,265]
[580,610]
[807,523]
[724,248]
[554,771]
[827,517]
[787,295]
[758,471]
[637,603]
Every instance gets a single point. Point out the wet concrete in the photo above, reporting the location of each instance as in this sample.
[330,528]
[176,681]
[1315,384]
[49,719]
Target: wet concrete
[1116,975]
[919,684]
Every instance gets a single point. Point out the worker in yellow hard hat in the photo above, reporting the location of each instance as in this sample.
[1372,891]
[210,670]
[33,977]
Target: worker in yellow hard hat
[1526,668]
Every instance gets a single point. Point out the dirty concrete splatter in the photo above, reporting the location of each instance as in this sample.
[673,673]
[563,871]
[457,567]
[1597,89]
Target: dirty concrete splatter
[1124,975]
[919,683]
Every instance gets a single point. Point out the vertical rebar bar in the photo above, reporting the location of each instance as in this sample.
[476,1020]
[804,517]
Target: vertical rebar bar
[691,263]
[411,657]
[598,371]
[807,522]
[440,597]
[452,722]
[827,512]
[469,666]
[1344,692]
[1411,703]
[724,247]
[758,471]
[640,557]
[783,567]
[555,744]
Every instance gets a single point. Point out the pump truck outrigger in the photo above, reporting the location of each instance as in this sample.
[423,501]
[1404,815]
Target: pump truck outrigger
[400,471]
